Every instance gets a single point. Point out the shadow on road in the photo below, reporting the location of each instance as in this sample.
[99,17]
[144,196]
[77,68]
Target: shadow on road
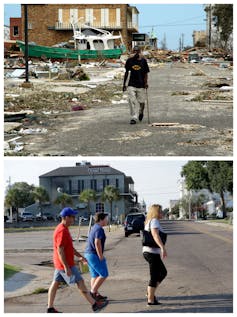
[210,303]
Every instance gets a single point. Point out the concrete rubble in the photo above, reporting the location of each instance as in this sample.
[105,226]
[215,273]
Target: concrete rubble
[64,87]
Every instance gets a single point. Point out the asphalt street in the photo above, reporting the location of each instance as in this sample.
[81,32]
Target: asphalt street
[198,128]
[199,264]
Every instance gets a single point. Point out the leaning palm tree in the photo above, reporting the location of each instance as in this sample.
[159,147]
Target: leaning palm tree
[41,196]
[110,194]
[86,196]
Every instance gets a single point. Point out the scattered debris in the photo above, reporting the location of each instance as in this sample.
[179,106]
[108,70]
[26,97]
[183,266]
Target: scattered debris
[33,131]
[165,124]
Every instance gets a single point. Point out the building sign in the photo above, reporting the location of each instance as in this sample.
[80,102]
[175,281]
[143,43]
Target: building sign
[136,37]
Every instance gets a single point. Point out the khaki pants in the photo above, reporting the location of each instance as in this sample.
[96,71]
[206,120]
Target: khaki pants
[136,96]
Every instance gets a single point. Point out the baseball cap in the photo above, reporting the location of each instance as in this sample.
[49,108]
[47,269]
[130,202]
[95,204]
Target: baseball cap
[67,211]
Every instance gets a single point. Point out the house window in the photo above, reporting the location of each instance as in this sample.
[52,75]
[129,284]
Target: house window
[118,14]
[15,31]
[73,16]
[69,187]
[105,17]
[89,16]
[117,183]
[94,184]
[81,186]
[105,182]
[99,207]
[60,15]
[74,185]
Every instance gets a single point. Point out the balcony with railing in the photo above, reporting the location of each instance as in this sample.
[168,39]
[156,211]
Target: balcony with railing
[61,26]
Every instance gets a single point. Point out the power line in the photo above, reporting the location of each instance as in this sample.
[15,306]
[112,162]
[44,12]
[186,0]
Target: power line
[168,25]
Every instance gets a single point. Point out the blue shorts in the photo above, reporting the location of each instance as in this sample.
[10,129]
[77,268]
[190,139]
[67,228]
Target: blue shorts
[60,276]
[96,266]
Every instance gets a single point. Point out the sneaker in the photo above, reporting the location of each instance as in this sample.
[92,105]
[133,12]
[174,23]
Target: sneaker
[98,297]
[53,310]
[140,117]
[99,305]
[154,303]
[133,121]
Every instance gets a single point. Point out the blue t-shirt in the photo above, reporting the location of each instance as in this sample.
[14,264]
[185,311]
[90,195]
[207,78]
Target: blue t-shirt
[97,232]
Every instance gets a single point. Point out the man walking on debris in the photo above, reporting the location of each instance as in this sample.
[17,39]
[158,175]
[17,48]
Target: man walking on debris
[138,68]
[65,268]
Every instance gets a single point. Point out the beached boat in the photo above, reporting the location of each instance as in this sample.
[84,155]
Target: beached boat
[91,43]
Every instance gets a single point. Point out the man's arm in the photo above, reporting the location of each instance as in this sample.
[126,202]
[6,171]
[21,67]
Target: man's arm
[63,260]
[81,257]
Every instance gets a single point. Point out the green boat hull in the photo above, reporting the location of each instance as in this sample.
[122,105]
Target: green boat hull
[66,53]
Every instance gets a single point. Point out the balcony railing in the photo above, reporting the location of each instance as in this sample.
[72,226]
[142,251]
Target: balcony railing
[112,26]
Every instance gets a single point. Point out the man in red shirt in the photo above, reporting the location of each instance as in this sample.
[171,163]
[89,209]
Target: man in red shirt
[65,268]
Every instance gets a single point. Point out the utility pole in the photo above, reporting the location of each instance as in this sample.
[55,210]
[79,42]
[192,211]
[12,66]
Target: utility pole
[26,42]
[189,205]
[26,84]
[210,27]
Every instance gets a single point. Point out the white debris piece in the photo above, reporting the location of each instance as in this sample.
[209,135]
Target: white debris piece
[116,102]
[33,131]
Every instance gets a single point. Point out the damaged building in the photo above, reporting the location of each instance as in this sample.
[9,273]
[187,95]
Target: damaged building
[49,24]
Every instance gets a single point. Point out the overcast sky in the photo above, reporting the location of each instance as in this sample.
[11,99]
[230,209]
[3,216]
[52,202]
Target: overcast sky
[156,180]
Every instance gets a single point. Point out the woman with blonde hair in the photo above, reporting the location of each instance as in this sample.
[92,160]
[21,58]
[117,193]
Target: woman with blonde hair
[154,255]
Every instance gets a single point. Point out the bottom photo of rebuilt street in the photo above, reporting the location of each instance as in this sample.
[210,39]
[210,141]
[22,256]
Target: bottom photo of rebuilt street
[76,235]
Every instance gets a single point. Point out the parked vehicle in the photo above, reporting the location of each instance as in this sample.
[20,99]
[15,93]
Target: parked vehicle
[45,216]
[134,223]
[26,216]
[83,219]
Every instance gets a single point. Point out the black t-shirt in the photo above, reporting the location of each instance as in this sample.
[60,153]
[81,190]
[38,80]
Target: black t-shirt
[138,69]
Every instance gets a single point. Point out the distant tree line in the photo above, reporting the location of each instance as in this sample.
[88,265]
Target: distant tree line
[216,176]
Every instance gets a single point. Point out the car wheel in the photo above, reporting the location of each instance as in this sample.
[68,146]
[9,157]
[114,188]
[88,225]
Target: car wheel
[126,234]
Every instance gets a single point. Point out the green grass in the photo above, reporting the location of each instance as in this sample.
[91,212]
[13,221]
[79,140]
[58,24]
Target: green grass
[226,220]
[9,230]
[40,290]
[10,270]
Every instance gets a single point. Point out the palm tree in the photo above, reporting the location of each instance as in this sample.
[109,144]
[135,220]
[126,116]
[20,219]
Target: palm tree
[86,196]
[63,200]
[110,194]
[41,195]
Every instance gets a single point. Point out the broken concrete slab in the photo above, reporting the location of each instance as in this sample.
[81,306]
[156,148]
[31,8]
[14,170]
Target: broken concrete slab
[10,126]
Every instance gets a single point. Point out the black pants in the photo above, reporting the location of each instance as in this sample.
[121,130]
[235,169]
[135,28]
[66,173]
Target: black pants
[157,269]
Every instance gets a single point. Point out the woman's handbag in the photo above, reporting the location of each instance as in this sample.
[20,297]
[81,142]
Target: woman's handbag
[148,240]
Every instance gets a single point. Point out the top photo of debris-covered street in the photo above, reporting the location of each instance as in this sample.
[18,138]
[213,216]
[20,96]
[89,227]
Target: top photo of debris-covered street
[65,92]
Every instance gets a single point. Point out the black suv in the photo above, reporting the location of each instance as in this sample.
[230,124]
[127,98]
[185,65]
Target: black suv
[134,223]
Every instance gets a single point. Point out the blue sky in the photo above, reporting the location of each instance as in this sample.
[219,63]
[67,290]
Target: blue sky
[169,20]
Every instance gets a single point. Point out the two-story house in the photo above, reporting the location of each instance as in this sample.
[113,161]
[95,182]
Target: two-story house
[49,24]
[73,180]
